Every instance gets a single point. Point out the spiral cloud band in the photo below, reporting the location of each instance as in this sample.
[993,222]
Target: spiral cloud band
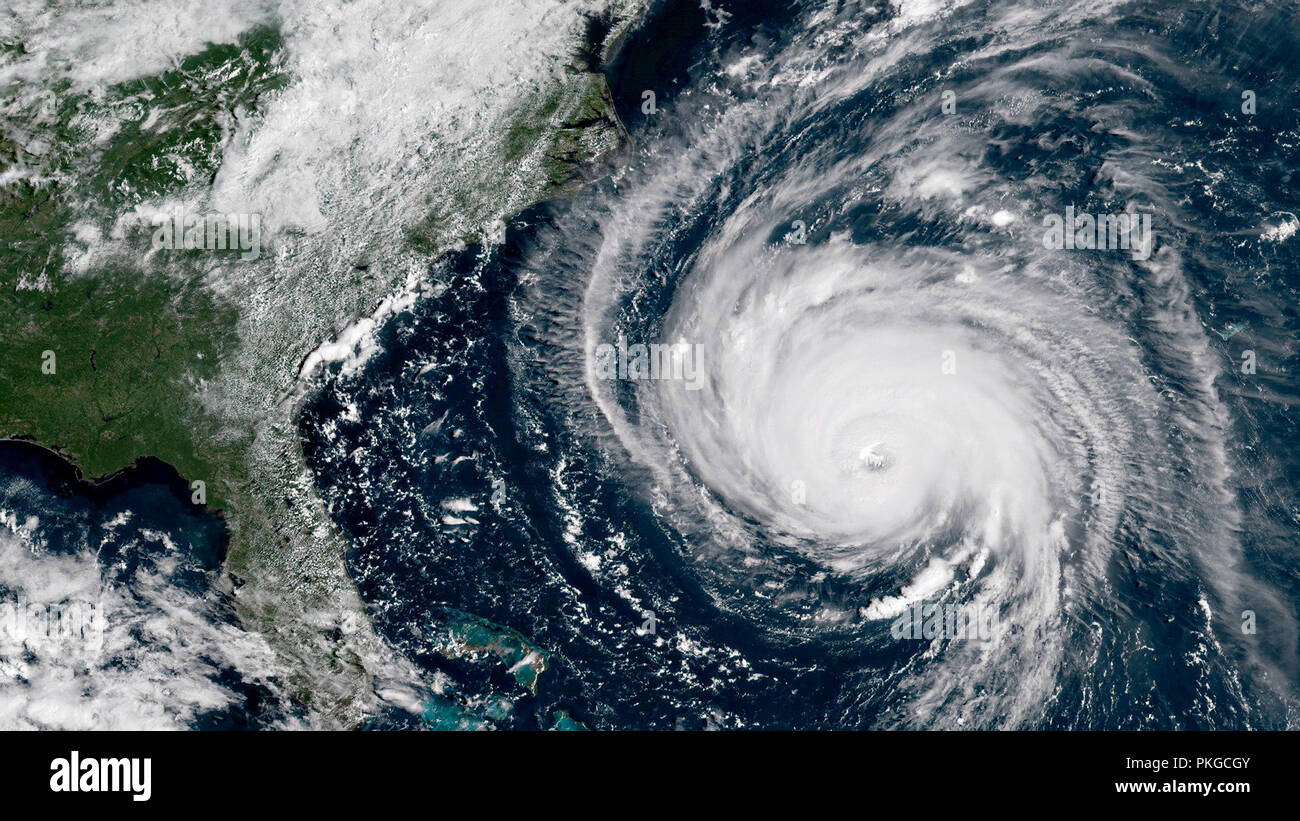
[890,380]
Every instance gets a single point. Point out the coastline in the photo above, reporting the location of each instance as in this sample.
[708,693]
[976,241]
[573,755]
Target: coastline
[144,470]
[285,557]
[340,646]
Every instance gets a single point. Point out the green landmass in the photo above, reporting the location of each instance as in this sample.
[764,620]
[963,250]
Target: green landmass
[145,345]
[132,343]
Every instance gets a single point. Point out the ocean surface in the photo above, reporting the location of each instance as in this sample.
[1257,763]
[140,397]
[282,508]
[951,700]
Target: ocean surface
[113,613]
[908,396]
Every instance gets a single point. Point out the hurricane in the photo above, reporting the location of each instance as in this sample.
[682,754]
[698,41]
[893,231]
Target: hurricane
[889,315]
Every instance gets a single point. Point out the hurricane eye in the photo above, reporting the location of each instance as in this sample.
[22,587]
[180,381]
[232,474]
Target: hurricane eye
[875,457]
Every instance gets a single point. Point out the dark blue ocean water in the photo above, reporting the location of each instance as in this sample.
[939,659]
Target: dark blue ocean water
[475,474]
[137,550]
[484,479]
